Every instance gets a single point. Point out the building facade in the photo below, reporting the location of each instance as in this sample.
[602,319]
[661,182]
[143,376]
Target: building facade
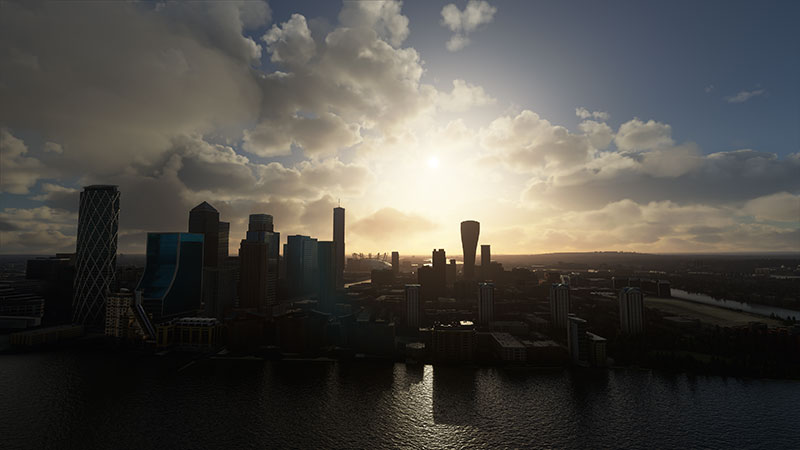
[631,310]
[559,305]
[95,254]
[577,341]
[485,304]
[172,279]
[338,238]
[412,298]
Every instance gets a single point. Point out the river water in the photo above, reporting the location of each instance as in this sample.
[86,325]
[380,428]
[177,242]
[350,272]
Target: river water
[91,400]
[761,310]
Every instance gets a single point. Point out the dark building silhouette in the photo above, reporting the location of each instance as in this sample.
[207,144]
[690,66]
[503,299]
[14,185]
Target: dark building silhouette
[486,262]
[439,272]
[96,254]
[470,230]
[261,229]
[427,281]
[58,273]
[218,279]
[577,340]
[171,283]
[338,238]
[485,303]
[412,303]
[326,274]
[301,265]
[396,263]
[204,219]
[224,238]
[450,273]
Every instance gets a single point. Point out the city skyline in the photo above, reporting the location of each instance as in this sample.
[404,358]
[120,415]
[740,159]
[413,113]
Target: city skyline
[565,127]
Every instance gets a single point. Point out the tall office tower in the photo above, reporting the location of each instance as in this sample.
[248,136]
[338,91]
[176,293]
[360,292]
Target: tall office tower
[253,271]
[96,254]
[326,275]
[412,305]
[301,265]
[559,305]
[450,273]
[224,238]
[338,238]
[470,230]
[261,229]
[204,219]
[485,304]
[577,341]
[486,262]
[171,283]
[260,222]
[439,272]
[426,279]
[395,263]
[631,310]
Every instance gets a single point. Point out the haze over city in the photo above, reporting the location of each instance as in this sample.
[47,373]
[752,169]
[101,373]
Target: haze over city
[560,126]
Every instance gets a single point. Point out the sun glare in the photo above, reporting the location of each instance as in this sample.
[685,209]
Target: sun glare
[433,162]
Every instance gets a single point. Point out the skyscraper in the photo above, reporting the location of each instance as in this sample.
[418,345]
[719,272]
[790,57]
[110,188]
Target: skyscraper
[326,275]
[301,265]
[253,273]
[261,229]
[171,283]
[439,271]
[395,263]
[218,280]
[485,303]
[412,305]
[338,238]
[631,310]
[486,262]
[224,238]
[204,219]
[470,230]
[559,305]
[96,253]
[260,222]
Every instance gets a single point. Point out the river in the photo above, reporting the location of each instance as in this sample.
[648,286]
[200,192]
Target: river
[92,400]
[761,310]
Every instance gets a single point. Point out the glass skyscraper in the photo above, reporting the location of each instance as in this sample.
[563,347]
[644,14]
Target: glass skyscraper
[171,284]
[95,253]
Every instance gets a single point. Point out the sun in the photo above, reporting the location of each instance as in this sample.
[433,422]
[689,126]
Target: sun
[433,162]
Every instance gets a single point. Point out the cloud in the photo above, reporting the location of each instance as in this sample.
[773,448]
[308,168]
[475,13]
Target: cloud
[122,78]
[744,96]
[527,142]
[19,172]
[389,224]
[584,113]
[461,23]
[779,207]
[291,42]
[464,96]
[384,17]
[637,135]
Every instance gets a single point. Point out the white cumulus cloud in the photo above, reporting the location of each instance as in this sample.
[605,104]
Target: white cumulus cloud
[461,23]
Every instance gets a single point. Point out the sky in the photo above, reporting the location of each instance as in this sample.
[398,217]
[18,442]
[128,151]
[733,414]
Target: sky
[662,127]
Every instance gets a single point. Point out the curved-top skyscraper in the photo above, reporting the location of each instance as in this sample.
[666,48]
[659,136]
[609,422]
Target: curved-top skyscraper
[470,230]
